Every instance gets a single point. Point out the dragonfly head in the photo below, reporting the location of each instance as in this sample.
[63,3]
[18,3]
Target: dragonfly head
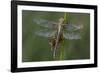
[61,20]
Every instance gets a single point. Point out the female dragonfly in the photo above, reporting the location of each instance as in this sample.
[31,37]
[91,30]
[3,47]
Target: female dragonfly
[57,31]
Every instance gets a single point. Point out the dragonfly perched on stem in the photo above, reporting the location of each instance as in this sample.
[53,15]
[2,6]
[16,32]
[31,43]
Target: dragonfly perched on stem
[59,31]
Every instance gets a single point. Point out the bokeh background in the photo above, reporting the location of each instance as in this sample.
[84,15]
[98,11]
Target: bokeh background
[36,48]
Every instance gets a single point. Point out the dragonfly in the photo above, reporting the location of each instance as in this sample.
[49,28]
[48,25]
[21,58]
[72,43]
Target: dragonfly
[57,31]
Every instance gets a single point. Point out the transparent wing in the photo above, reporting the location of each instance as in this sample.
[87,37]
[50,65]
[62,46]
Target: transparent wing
[45,33]
[44,23]
[72,27]
[72,36]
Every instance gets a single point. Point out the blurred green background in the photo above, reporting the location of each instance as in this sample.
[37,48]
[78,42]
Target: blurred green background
[36,48]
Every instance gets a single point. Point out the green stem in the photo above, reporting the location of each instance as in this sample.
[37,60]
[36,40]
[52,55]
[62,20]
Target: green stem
[61,56]
[62,50]
[66,16]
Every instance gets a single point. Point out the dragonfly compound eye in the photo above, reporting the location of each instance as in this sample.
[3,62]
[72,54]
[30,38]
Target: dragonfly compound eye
[61,19]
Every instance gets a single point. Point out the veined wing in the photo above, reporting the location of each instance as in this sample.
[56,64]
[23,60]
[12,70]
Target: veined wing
[72,36]
[45,33]
[45,23]
[72,27]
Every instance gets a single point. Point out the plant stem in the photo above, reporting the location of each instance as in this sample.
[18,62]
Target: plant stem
[62,50]
[66,16]
[61,56]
